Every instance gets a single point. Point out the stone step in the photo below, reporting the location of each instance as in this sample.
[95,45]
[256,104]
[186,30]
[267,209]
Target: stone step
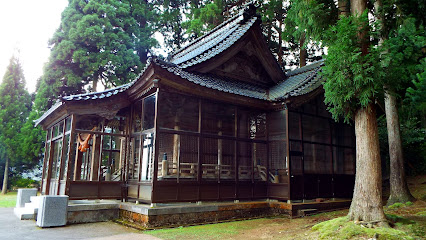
[25,213]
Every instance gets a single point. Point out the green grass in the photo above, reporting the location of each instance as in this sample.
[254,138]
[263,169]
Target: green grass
[208,232]
[8,200]
[341,228]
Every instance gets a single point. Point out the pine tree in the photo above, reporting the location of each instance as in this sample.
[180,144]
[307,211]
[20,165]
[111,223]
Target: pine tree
[401,50]
[15,104]
[100,41]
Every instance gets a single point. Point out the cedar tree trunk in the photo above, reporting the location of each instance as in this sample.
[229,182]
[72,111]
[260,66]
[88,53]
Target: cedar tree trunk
[5,177]
[367,199]
[399,191]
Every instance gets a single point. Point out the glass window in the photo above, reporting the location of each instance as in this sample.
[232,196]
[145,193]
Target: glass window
[317,159]
[278,161]
[226,149]
[218,119]
[277,125]
[260,154]
[209,158]
[65,158]
[344,160]
[68,124]
[316,129]
[257,126]
[245,163]
[147,167]
[149,112]
[137,113]
[294,126]
[134,158]
[188,157]
[178,112]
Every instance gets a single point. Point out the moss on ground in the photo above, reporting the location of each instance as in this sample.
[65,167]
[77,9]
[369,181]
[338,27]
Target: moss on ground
[342,228]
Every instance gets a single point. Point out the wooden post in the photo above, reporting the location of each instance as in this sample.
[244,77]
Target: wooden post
[70,149]
[62,159]
[236,134]
[176,146]
[200,140]
[95,163]
[155,155]
[303,154]
[49,169]
[219,151]
[288,153]
[45,161]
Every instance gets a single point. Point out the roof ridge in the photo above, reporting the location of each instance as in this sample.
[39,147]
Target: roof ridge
[305,68]
[245,12]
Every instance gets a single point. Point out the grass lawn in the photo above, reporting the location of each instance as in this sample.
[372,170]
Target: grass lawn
[8,200]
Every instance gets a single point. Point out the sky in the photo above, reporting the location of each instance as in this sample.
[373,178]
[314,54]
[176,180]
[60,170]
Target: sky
[27,25]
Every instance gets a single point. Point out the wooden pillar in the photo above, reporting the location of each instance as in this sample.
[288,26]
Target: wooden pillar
[287,138]
[49,168]
[219,150]
[303,154]
[61,166]
[94,164]
[45,159]
[176,147]
[78,162]
[156,154]
[70,149]
[200,149]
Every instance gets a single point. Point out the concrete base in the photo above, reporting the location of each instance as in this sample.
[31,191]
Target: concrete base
[24,196]
[52,211]
[86,211]
[29,211]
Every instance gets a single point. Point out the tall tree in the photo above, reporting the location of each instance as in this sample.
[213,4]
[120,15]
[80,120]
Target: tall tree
[100,41]
[401,43]
[15,103]
[307,21]
[351,84]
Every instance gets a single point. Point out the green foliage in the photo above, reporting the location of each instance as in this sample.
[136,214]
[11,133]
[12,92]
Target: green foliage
[400,54]
[310,17]
[15,104]
[204,18]
[170,22]
[99,41]
[351,76]
[20,182]
[342,228]
[415,98]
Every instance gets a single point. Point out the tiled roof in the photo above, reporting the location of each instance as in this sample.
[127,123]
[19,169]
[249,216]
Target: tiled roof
[57,105]
[215,82]
[98,95]
[217,40]
[301,81]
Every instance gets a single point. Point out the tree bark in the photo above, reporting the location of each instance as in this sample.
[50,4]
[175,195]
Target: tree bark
[343,7]
[367,199]
[399,191]
[5,177]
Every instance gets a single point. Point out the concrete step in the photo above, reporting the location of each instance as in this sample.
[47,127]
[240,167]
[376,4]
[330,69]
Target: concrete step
[25,213]
[307,212]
